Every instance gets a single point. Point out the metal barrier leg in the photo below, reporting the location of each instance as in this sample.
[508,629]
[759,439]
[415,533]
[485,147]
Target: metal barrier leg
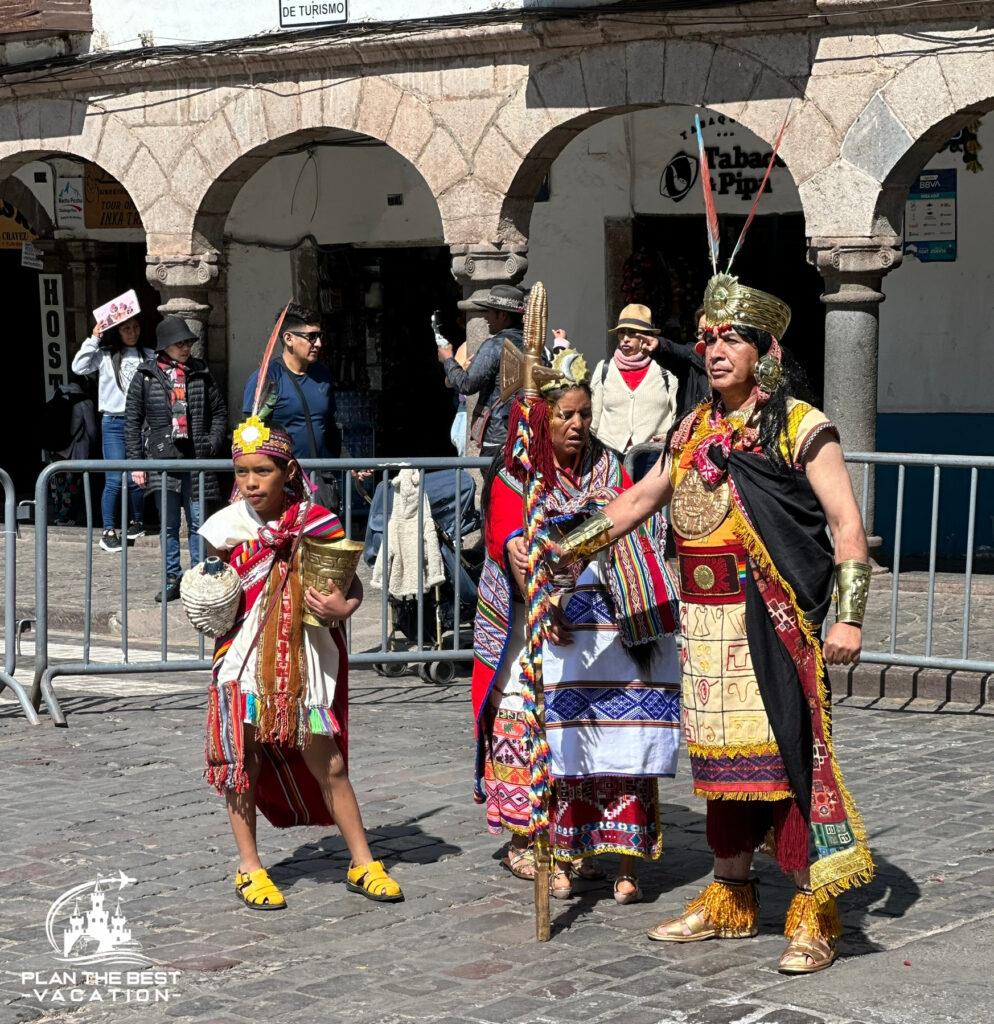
[47,691]
[22,696]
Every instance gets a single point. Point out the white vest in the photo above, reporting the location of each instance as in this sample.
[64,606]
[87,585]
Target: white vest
[622,417]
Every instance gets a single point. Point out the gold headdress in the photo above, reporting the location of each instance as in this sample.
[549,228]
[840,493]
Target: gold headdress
[726,299]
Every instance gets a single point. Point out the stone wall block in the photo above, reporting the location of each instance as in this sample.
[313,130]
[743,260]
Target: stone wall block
[191,178]
[809,144]
[281,105]
[216,144]
[733,79]
[905,93]
[341,103]
[412,127]
[247,120]
[311,97]
[688,65]
[605,76]
[507,78]
[169,216]
[969,75]
[645,64]
[839,200]
[168,105]
[844,55]
[167,145]
[208,99]
[495,163]
[145,181]
[467,82]
[470,214]
[28,118]
[118,146]
[466,119]
[524,121]
[377,108]
[441,163]
[841,101]
[876,140]
[10,129]
[559,88]
[787,54]
[58,119]
[898,49]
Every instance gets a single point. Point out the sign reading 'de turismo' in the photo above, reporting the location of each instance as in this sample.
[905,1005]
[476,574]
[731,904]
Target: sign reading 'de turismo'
[318,12]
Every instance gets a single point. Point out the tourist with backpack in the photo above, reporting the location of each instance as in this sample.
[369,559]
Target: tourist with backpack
[114,355]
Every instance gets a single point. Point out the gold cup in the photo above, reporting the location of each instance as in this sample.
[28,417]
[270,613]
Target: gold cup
[321,560]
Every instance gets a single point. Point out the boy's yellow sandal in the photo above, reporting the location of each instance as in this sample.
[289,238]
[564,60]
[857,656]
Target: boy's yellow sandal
[257,890]
[373,882]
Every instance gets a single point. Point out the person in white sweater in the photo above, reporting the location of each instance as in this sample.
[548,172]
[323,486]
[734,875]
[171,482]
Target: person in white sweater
[633,397]
[114,355]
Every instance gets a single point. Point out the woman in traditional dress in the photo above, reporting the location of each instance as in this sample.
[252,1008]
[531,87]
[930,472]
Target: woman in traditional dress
[611,692]
[755,476]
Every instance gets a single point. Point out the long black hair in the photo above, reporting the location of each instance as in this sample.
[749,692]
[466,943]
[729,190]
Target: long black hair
[111,341]
[773,417]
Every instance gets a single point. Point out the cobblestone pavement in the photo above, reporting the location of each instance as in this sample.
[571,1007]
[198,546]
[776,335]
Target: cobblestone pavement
[120,790]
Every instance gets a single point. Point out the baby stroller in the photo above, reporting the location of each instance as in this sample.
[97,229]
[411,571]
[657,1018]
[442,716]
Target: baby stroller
[439,599]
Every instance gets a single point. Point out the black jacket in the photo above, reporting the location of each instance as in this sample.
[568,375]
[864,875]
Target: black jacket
[688,368]
[483,379]
[148,410]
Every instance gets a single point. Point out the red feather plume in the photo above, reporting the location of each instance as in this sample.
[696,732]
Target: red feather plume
[711,214]
[266,356]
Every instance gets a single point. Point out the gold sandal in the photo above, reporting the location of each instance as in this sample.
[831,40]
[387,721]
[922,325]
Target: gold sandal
[813,929]
[373,882]
[258,891]
[726,909]
[520,861]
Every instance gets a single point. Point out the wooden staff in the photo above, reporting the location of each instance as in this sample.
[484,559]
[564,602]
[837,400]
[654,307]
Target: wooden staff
[525,372]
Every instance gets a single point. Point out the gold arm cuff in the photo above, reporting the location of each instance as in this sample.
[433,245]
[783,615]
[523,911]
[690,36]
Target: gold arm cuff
[582,541]
[853,579]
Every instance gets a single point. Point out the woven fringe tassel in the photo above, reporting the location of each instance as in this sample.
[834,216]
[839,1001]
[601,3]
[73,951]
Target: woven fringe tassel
[821,920]
[727,906]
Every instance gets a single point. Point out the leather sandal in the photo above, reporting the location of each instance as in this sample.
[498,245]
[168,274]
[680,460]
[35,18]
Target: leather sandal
[372,881]
[587,869]
[520,861]
[257,890]
[563,872]
[807,953]
[624,898]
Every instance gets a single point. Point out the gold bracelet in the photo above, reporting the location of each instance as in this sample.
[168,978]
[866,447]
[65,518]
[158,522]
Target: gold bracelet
[584,540]
[853,579]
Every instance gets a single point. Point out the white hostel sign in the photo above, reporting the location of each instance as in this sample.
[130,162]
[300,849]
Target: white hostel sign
[315,12]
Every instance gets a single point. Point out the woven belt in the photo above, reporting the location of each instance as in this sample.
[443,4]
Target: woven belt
[710,578]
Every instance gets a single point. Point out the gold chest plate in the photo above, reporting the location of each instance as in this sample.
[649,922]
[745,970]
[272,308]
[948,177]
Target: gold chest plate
[696,509]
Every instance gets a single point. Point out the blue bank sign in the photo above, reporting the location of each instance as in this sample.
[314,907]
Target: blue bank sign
[930,217]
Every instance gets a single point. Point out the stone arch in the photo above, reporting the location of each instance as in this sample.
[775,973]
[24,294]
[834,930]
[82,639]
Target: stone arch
[959,87]
[565,96]
[260,122]
[33,129]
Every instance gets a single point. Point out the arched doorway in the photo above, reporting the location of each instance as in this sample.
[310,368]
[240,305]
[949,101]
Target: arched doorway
[348,227]
[90,245]
[619,218]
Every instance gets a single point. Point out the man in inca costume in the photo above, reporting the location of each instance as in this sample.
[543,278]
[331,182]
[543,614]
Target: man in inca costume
[753,477]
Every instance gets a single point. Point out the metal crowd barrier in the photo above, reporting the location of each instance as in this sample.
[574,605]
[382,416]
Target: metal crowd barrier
[10,600]
[975,464]
[421,645]
[387,659]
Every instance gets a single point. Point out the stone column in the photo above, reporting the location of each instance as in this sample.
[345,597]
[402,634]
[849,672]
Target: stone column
[184,283]
[477,269]
[853,270]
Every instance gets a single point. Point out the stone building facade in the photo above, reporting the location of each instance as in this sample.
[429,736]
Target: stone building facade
[481,112]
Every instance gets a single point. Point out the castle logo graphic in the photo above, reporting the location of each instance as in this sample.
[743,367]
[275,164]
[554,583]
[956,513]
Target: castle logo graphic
[91,932]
